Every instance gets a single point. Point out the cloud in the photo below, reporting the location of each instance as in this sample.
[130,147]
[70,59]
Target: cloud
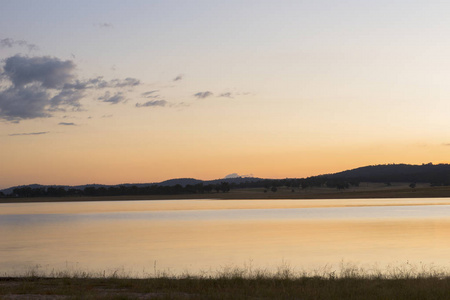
[24,103]
[67,97]
[104,25]
[226,95]
[232,95]
[100,83]
[446,144]
[50,72]
[179,77]
[232,175]
[9,43]
[113,99]
[236,175]
[150,94]
[67,124]
[29,133]
[203,95]
[126,82]
[152,103]
[35,87]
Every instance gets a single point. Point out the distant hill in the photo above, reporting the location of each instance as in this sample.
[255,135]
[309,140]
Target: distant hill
[427,173]
[171,182]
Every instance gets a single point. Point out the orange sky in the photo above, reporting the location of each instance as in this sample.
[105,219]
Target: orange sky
[167,89]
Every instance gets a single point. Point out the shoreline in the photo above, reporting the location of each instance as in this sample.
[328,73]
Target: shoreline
[400,191]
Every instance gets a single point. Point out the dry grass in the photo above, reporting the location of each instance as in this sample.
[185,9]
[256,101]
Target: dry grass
[345,282]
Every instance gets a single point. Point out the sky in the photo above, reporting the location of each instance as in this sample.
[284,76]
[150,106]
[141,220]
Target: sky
[117,92]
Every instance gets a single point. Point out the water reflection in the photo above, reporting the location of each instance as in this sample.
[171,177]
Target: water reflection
[202,235]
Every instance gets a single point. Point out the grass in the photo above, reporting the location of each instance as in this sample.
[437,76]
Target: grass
[348,281]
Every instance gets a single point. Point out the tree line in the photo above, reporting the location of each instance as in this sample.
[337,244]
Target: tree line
[120,190]
[200,188]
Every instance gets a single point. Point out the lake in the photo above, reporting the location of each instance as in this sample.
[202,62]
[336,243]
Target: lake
[144,237]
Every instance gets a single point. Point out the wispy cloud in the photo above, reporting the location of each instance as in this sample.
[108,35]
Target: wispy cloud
[113,99]
[203,95]
[152,103]
[67,124]
[150,94]
[9,43]
[104,25]
[226,95]
[179,77]
[29,133]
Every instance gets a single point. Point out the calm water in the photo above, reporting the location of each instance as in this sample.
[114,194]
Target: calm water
[207,235]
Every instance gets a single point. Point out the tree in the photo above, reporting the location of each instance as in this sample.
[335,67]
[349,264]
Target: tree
[412,185]
[208,188]
[225,187]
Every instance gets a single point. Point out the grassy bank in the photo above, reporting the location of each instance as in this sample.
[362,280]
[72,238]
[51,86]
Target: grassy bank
[223,288]
[349,283]
[366,190]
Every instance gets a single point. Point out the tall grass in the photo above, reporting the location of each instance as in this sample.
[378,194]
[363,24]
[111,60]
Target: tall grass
[345,281]
[342,270]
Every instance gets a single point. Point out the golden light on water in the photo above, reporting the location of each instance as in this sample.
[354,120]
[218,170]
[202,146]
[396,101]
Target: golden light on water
[196,235]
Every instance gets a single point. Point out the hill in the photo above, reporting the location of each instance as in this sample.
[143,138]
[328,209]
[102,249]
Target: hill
[183,182]
[426,173]
[434,175]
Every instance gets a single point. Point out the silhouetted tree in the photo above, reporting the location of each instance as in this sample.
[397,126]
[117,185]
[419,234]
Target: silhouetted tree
[225,187]
[208,188]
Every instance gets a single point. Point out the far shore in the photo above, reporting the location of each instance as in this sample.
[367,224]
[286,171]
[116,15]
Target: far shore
[364,191]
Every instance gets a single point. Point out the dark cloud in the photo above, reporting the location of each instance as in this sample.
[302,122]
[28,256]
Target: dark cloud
[179,77]
[203,95]
[34,87]
[50,72]
[226,95]
[24,103]
[113,99]
[152,103]
[9,43]
[29,133]
[67,124]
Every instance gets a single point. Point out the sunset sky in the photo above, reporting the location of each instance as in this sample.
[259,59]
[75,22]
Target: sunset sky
[142,91]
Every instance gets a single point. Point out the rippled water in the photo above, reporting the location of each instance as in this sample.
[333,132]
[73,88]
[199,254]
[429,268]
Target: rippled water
[195,235]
